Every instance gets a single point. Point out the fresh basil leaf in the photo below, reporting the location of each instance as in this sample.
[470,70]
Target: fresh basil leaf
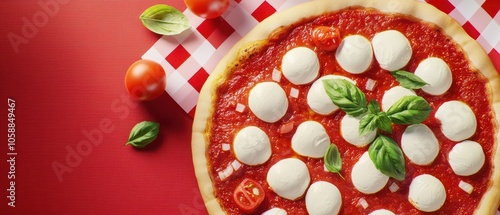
[332,159]
[367,124]
[346,95]
[383,122]
[388,157]
[408,80]
[409,110]
[373,107]
[143,134]
[164,19]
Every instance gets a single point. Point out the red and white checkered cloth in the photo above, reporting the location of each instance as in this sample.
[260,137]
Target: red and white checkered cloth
[190,57]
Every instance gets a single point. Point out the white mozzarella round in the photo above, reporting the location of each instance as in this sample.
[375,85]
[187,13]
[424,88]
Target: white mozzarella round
[366,177]
[392,49]
[323,198]
[381,212]
[349,129]
[268,101]
[310,140]
[436,73]
[318,100]
[392,95]
[289,178]
[466,158]
[275,211]
[420,144]
[427,193]
[300,65]
[354,54]
[252,146]
[458,122]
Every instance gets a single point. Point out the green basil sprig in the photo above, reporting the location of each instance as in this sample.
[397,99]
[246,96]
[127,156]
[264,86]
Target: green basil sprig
[143,134]
[164,19]
[409,110]
[388,157]
[374,119]
[346,95]
[332,159]
[408,80]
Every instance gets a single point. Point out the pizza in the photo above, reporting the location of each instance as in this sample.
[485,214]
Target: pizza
[351,107]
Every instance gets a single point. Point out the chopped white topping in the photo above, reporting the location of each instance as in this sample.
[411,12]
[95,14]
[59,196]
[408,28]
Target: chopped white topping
[427,193]
[354,54]
[310,139]
[349,129]
[370,84]
[420,144]
[381,212]
[289,178]
[276,75]
[300,65]
[323,198]
[268,101]
[240,107]
[392,49]
[392,95]
[394,187]
[318,100]
[366,177]
[224,174]
[458,122]
[252,146]
[363,203]
[436,73]
[236,165]
[294,92]
[466,186]
[226,147]
[466,158]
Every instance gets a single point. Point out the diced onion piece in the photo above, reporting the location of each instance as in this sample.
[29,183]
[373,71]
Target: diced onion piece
[370,84]
[276,76]
[466,187]
[226,147]
[362,202]
[294,92]
[394,187]
[224,174]
[286,128]
[236,165]
[240,107]
[221,175]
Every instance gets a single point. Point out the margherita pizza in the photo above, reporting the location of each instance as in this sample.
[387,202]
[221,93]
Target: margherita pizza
[351,107]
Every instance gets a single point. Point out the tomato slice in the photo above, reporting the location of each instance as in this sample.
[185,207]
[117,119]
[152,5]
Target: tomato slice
[326,37]
[248,195]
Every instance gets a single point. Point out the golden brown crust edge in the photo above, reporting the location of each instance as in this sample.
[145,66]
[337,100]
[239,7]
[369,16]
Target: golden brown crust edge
[476,54]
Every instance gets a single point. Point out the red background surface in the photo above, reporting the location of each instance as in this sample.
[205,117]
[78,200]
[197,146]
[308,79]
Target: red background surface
[66,80]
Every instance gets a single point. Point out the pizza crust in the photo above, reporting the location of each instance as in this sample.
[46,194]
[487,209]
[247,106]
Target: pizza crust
[257,36]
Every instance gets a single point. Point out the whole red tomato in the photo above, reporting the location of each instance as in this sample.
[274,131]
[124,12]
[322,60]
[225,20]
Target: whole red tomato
[207,8]
[145,80]
[326,37]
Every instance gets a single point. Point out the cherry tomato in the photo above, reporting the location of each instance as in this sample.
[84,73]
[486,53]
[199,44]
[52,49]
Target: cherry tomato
[248,195]
[145,80]
[207,9]
[326,37]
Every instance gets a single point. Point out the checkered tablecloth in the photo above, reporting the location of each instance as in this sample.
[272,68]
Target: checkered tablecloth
[189,58]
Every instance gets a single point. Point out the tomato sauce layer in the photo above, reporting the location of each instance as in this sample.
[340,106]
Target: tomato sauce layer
[426,41]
